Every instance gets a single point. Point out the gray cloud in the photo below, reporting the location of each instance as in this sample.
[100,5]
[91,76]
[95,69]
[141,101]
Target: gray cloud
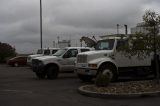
[69,19]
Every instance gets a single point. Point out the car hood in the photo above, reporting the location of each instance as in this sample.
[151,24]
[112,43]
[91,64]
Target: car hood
[92,55]
[46,58]
[35,55]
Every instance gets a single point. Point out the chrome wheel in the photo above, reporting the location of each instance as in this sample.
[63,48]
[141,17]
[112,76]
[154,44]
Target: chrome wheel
[109,70]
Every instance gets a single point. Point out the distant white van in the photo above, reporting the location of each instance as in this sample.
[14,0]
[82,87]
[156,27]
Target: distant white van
[41,52]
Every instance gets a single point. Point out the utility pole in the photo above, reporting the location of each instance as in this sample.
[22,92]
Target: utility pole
[41,24]
[117,29]
[126,29]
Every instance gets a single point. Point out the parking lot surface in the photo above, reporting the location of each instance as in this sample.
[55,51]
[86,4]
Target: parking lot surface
[20,87]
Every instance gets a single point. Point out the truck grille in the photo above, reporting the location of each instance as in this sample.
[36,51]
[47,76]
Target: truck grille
[82,59]
[35,62]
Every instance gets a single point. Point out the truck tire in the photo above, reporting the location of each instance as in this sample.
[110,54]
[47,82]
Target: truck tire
[52,72]
[109,70]
[85,78]
[41,75]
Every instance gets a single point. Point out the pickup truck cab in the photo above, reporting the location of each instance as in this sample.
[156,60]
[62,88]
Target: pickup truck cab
[107,59]
[62,61]
[43,52]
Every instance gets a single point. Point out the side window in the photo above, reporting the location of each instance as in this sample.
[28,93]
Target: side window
[121,43]
[118,45]
[84,50]
[21,58]
[54,51]
[71,53]
[74,52]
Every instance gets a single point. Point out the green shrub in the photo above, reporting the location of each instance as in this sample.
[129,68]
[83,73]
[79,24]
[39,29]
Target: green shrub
[6,51]
[102,80]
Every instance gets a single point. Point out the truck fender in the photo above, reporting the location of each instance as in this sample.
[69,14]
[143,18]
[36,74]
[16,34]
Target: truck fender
[51,64]
[108,62]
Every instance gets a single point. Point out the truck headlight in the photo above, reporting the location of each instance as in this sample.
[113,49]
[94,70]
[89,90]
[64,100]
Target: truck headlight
[92,65]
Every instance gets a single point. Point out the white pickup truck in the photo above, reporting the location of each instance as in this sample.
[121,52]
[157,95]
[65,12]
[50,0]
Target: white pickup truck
[62,61]
[43,52]
[106,59]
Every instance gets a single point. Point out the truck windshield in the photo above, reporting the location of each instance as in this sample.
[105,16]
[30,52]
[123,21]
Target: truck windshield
[60,52]
[105,44]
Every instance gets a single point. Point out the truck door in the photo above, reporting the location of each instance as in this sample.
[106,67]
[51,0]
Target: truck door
[120,58]
[68,60]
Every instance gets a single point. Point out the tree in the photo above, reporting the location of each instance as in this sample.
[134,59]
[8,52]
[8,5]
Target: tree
[143,45]
[6,51]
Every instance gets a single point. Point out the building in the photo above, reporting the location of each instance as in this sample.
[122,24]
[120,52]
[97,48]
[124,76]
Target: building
[141,27]
[64,43]
[114,35]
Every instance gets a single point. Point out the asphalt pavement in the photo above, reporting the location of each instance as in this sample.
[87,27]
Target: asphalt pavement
[20,87]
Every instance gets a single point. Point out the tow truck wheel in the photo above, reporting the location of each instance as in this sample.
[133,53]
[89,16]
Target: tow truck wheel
[52,72]
[85,78]
[110,71]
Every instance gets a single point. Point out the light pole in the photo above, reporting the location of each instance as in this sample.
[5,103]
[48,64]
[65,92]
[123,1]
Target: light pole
[41,24]
[126,29]
[117,29]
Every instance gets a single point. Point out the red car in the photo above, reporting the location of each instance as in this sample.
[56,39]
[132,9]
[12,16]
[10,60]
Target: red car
[17,61]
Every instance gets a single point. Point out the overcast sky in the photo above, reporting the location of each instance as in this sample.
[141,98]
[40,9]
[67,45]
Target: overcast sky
[68,19]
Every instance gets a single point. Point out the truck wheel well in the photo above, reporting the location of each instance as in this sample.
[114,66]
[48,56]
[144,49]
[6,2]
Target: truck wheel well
[108,63]
[51,64]
[108,68]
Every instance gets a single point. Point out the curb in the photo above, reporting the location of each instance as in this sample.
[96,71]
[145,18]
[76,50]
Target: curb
[117,96]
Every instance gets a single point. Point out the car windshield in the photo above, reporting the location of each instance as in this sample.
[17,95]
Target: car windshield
[39,51]
[60,52]
[105,44]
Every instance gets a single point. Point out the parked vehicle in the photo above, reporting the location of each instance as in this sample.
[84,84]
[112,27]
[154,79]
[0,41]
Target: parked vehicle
[62,61]
[17,61]
[107,59]
[43,52]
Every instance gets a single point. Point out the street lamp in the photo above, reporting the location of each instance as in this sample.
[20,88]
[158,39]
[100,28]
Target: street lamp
[41,23]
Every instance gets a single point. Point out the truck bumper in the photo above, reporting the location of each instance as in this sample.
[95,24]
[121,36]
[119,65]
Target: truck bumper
[84,71]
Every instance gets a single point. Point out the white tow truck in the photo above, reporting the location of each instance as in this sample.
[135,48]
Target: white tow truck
[106,59]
